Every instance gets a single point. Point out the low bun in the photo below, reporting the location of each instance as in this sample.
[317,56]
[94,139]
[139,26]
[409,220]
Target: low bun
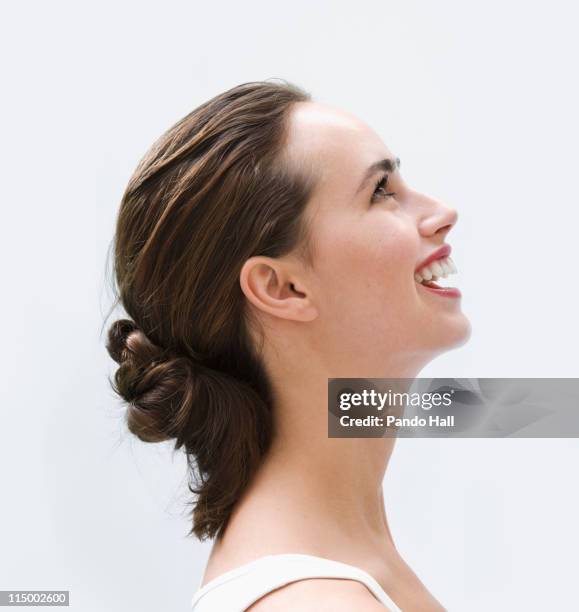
[156,386]
[117,340]
[212,414]
[216,189]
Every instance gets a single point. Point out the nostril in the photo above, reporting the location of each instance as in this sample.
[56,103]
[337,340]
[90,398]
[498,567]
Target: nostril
[442,231]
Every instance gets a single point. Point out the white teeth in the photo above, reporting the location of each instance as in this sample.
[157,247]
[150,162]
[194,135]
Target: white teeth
[452,265]
[445,268]
[440,268]
[436,268]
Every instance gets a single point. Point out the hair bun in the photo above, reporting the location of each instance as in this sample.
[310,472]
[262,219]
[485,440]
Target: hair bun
[156,385]
[117,341]
[127,342]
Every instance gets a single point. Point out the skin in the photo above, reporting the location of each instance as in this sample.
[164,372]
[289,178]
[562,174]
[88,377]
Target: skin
[356,312]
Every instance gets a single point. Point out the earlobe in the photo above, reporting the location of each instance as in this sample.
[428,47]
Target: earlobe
[266,284]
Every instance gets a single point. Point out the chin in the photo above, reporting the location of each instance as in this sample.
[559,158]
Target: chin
[458,332]
[450,334]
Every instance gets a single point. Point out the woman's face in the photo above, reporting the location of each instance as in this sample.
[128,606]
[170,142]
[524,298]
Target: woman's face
[368,247]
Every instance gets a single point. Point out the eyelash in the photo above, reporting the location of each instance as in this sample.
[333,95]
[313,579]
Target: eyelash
[381,184]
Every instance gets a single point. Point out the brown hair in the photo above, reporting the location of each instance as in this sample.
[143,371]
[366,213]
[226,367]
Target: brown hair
[213,191]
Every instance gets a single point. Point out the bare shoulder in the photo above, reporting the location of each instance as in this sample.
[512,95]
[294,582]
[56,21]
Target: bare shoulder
[320,595]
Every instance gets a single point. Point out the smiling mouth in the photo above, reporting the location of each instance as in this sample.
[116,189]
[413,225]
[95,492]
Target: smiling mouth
[440,268]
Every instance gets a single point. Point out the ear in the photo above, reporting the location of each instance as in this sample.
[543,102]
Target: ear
[271,287]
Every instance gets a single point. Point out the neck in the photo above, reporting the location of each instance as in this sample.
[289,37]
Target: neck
[326,492]
[321,496]
[337,485]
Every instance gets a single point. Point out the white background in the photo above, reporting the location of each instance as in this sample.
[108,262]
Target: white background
[479,100]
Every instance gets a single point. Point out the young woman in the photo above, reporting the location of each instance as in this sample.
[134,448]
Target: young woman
[267,243]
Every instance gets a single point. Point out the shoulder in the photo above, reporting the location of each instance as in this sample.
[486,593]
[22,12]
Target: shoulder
[326,594]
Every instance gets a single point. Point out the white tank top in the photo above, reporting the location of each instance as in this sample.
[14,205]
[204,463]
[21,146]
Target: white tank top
[236,590]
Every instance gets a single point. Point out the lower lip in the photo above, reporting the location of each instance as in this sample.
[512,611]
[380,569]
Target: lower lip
[451,292]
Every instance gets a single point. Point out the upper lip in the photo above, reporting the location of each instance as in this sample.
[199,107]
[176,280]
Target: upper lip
[443,251]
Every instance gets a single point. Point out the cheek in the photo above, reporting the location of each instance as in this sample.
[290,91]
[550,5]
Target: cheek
[369,263]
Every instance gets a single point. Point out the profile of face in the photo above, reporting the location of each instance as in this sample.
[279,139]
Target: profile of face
[365,299]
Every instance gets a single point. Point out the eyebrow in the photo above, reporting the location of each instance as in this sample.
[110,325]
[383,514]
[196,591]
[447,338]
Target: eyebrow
[387,164]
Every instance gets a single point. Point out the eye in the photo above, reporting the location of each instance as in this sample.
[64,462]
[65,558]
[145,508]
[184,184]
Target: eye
[380,192]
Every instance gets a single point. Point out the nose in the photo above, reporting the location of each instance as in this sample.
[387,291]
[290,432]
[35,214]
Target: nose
[437,218]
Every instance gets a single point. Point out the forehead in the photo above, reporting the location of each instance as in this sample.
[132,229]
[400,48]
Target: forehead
[333,144]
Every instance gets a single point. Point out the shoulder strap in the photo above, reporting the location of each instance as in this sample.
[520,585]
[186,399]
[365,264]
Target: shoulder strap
[237,589]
